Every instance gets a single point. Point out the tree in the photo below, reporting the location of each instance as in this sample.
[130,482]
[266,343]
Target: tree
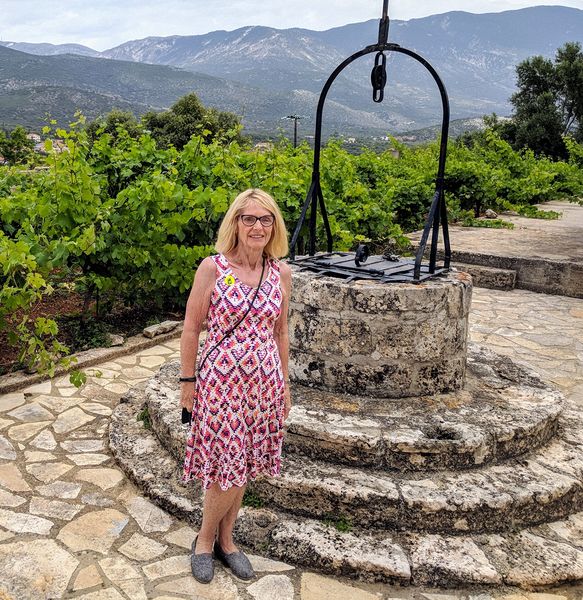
[549,101]
[538,126]
[503,127]
[189,117]
[15,147]
[112,121]
[570,74]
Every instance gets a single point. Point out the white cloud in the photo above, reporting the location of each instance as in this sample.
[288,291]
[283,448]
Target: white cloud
[107,23]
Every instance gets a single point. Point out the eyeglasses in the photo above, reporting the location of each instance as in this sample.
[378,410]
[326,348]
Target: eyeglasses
[250,220]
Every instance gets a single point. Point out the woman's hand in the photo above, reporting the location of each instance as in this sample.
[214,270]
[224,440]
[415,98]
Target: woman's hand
[187,395]
[287,405]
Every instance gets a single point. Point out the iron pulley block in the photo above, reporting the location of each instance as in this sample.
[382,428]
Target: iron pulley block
[378,77]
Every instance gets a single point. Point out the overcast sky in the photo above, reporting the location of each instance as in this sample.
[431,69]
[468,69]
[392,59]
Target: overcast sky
[102,24]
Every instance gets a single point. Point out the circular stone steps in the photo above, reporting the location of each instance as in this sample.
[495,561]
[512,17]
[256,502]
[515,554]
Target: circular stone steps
[517,492]
[498,498]
[503,411]
[531,558]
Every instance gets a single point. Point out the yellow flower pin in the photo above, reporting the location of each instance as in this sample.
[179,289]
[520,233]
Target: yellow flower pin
[229,280]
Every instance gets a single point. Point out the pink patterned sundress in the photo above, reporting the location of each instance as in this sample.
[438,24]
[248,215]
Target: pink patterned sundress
[237,419]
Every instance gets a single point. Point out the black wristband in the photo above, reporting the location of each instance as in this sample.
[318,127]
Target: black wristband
[189,379]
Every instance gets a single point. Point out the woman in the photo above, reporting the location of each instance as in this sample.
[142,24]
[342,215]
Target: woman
[241,396]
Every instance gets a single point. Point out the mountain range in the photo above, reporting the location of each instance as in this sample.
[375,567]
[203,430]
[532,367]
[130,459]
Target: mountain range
[264,73]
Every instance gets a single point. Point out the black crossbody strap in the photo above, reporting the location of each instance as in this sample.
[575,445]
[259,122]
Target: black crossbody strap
[238,322]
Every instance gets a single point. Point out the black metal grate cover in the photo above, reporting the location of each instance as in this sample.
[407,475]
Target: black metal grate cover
[378,268]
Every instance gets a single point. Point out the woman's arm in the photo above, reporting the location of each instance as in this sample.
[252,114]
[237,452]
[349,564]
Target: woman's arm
[281,332]
[196,313]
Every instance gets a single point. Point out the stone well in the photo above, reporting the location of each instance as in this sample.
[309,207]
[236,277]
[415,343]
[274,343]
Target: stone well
[376,339]
[409,457]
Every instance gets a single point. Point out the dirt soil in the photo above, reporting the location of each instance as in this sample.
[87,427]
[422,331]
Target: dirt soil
[66,308]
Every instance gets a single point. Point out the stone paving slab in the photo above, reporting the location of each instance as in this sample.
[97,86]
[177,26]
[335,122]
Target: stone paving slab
[543,331]
[85,359]
[557,240]
[539,330]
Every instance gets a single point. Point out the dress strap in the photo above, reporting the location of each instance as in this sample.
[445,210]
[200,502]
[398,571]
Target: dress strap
[272,268]
[275,264]
[222,264]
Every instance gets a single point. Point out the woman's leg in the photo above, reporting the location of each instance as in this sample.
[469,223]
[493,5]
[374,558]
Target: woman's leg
[227,523]
[217,503]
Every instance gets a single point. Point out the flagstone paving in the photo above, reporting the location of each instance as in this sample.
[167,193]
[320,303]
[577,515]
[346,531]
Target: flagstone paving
[72,526]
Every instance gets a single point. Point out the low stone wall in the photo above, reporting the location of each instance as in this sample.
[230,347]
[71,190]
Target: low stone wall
[542,275]
[88,358]
[379,340]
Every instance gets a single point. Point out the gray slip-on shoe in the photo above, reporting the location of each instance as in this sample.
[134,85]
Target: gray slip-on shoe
[202,565]
[236,561]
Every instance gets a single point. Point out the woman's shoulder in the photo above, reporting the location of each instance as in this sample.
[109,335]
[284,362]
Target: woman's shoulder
[284,272]
[217,260]
[208,267]
[284,268]
[209,263]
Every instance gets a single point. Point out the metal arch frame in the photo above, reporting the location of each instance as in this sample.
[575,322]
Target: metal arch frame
[437,212]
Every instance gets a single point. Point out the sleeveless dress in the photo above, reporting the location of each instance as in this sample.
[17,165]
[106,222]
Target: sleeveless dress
[237,419]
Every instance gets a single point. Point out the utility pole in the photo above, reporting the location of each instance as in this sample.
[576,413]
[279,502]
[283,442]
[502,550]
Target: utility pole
[295,119]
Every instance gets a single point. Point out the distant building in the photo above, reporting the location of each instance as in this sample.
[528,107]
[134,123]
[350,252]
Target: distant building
[58,146]
[33,137]
[263,146]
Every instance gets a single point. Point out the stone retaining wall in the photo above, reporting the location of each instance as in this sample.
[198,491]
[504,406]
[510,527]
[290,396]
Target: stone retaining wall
[379,340]
[542,275]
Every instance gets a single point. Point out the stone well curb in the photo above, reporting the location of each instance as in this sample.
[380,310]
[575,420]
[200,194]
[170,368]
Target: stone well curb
[368,338]
[12,382]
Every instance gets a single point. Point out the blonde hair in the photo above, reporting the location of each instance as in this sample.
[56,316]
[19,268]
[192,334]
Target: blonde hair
[277,247]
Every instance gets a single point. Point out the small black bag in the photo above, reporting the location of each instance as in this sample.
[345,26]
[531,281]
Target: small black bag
[186,416]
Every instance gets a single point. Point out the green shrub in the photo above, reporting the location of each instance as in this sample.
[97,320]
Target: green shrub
[125,222]
[341,522]
[487,223]
[253,500]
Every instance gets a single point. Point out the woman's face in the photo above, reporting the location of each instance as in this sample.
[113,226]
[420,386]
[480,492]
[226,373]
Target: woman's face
[254,237]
